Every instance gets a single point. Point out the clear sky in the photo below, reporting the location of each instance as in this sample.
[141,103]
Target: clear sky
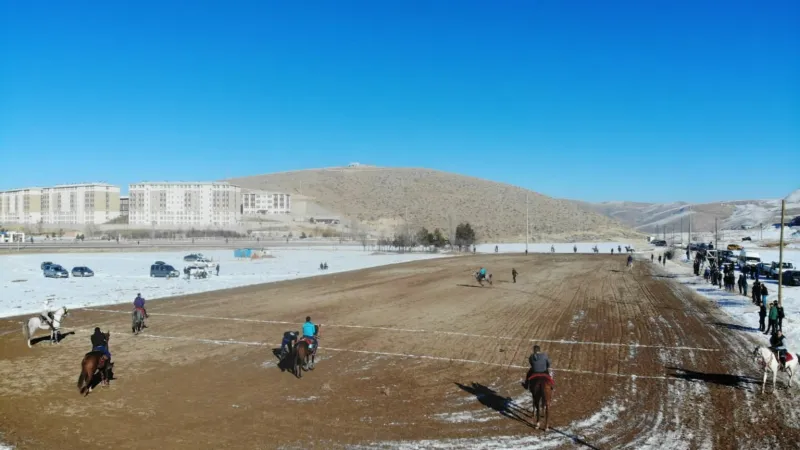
[593,100]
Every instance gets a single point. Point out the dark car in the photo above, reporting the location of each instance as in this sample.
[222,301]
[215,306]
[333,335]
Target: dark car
[747,239]
[791,277]
[82,271]
[163,271]
[659,243]
[55,271]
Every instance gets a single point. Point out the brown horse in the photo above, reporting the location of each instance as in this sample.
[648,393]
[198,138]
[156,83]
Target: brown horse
[541,387]
[302,353]
[93,362]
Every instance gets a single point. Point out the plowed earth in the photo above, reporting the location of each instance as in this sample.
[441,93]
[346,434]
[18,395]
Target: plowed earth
[412,356]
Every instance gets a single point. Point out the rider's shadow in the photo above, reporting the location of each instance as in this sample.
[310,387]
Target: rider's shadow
[491,399]
[59,338]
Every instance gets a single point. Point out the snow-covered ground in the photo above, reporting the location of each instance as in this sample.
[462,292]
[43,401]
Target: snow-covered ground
[739,306]
[539,247]
[120,276]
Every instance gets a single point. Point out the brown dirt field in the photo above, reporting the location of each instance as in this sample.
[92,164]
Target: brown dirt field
[412,356]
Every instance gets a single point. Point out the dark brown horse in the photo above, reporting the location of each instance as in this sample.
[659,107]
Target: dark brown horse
[93,362]
[541,387]
[302,354]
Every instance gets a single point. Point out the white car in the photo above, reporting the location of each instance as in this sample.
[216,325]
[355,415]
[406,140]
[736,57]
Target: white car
[773,270]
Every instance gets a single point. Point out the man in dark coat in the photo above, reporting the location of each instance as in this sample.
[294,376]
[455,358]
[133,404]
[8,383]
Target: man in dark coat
[762,315]
[539,362]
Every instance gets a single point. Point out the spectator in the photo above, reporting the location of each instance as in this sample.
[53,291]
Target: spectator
[780,318]
[659,258]
[773,318]
[514,274]
[744,286]
[741,281]
[652,256]
[764,294]
[762,314]
[707,274]
[756,293]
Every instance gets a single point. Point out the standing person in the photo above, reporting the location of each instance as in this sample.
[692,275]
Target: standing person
[664,259]
[514,274]
[764,294]
[773,319]
[652,257]
[575,249]
[659,259]
[741,280]
[744,286]
[780,318]
[756,293]
[762,315]
[217,269]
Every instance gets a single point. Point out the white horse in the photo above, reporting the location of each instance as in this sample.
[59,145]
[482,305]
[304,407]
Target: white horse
[38,323]
[766,358]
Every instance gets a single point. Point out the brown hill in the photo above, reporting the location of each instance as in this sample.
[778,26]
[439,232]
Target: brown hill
[380,197]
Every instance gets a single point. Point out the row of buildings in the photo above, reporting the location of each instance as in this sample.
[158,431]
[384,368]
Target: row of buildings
[198,204]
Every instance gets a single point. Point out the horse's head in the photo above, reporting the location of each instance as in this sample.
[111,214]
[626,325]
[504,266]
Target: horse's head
[107,335]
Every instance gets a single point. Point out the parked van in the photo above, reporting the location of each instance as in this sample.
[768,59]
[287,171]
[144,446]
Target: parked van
[163,271]
[749,258]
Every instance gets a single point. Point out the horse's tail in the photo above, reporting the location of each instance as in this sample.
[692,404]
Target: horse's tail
[26,331]
[81,379]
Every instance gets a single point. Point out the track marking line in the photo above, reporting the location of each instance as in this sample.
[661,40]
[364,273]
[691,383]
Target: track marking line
[413,330]
[404,355]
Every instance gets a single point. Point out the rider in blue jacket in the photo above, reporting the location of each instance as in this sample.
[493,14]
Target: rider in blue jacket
[310,332]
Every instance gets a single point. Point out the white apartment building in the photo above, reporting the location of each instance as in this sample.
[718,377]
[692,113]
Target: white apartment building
[262,202]
[187,204]
[70,204]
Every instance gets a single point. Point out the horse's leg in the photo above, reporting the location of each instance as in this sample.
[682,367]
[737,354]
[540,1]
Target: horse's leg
[764,384]
[774,377]
[547,396]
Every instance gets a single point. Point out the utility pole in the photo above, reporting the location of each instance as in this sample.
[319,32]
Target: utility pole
[762,232]
[716,241]
[527,224]
[690,225]
[780,258]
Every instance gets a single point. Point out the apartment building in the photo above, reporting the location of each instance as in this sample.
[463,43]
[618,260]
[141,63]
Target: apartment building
[69,204]
[186,204]
[123,205]
[262,202]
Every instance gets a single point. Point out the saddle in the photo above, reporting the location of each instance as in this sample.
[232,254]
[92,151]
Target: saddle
[308,341]
[546,376]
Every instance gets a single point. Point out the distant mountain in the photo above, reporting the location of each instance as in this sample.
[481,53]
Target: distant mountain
[379,198]
[647,217]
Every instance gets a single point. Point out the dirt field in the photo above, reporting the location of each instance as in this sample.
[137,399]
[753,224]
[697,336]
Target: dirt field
[412,356]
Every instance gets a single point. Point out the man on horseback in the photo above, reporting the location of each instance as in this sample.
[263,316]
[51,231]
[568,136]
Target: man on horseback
[778,345]
[310,333]
[539,362]
[47,313]
[100,344]
[138,303]
[482,274]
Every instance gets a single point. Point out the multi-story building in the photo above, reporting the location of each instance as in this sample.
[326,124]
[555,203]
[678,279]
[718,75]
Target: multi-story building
[262,202]
[123,206]
[187,204]
[70,204]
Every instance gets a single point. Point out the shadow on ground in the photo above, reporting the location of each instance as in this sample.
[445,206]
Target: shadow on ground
[735,327]
[59,338]
[721,379]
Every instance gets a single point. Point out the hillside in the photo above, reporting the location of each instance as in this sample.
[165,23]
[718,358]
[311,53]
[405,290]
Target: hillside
[379,198]
[645,217]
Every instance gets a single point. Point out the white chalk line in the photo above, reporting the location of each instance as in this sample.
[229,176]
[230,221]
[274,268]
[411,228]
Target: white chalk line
[412,330]
[402,355]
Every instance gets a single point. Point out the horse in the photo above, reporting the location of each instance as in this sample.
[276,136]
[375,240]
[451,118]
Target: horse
[766,358]
[302,353]
[137,320]
[541,387]
[36,323]
[90,364]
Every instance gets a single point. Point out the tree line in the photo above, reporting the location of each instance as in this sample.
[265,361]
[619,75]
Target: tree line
[406,240]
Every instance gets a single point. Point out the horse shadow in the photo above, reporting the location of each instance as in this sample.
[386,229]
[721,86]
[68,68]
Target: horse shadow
[283,364]
[736,327]
[468,285]
[722,379]
[60,337]
[489,398]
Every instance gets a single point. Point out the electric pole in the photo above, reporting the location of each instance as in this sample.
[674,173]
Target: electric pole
[527,224]
[780,258]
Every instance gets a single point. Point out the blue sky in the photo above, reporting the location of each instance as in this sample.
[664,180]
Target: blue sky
[636,100]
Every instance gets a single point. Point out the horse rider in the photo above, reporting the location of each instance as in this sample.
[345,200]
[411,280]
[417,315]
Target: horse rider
[310,332]
[138,303]
[482,273]
[47,313]
[777,344]
[539,362]
[289,341]
[100,344]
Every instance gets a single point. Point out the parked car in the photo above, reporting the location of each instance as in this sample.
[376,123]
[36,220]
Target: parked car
[163,271]
[762,269]
[45,264]
[55,271]
[773,269]
[193,257]
[750,258]
[747,239]
[734,247]
[82,271]
[791,278]
[659,242]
